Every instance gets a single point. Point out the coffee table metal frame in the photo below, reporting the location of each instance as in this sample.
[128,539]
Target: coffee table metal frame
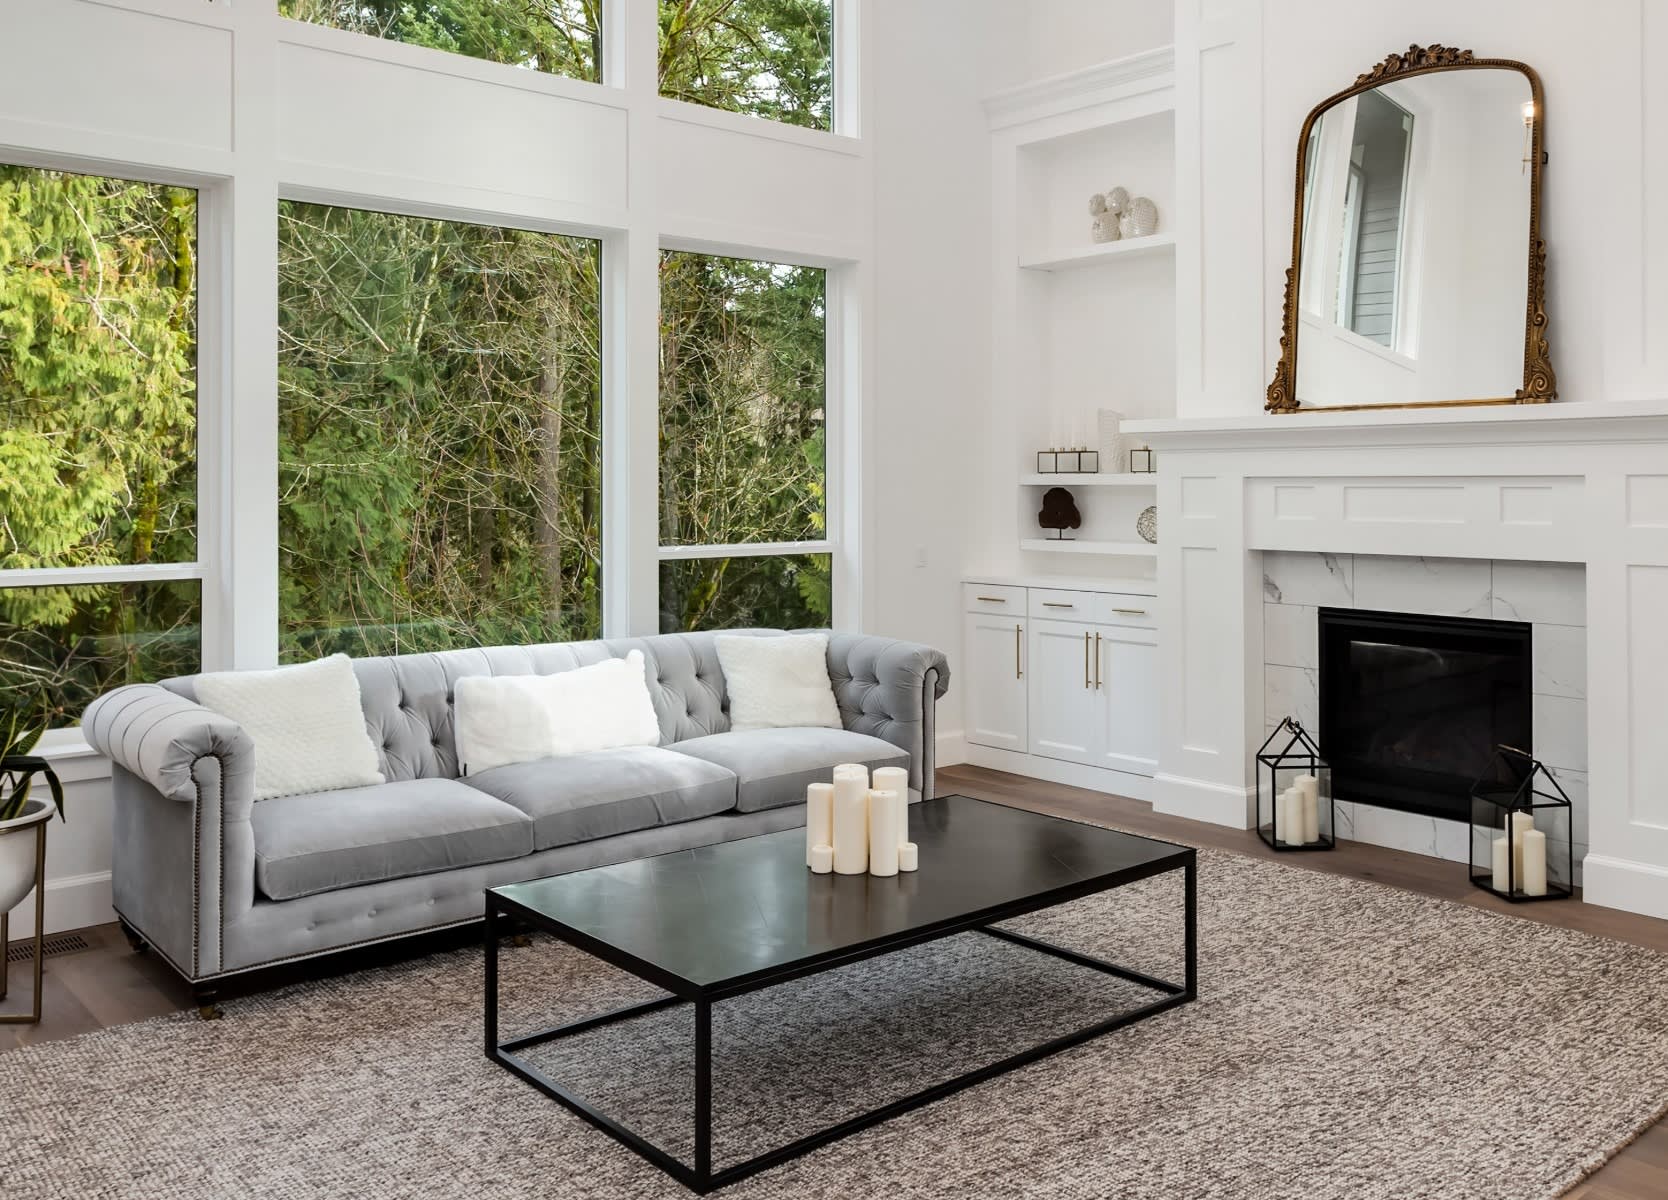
[702,1178]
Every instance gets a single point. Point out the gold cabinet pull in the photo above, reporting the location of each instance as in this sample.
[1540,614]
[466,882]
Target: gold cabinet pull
[1057,604]
[1097,662]
[1018,674]
[1131,612]
[1085,658]
[992,599]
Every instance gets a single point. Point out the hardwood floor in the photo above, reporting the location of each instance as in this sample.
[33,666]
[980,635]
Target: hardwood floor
[106,984]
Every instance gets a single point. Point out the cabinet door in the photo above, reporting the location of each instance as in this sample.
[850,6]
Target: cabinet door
[1065,712]
[994,649]
[1129,699]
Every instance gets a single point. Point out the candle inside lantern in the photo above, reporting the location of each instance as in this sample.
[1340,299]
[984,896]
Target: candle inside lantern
[1502,860]
[1308,790]
[1533,849]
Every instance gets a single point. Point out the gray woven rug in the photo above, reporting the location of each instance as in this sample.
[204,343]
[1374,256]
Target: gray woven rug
[1351,1040]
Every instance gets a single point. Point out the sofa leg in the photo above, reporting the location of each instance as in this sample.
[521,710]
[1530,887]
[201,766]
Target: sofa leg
[207,1008]
[134,940]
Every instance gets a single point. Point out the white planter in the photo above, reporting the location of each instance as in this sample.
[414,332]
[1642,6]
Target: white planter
[17,853]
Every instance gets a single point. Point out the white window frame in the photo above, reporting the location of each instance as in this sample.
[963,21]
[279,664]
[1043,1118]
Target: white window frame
[841,403]
[212,267]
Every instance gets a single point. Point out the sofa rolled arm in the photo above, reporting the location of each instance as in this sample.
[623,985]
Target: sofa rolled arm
[160,737]
[889,689]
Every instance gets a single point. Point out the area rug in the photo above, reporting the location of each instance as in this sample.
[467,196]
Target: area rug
[1350,1040]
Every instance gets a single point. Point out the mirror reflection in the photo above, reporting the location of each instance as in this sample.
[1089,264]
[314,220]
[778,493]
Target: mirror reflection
[1413,280]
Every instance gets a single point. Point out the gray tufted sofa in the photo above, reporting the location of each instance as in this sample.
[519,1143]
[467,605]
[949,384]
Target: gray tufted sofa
[220,885]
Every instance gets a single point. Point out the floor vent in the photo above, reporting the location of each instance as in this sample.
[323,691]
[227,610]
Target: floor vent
[57,943]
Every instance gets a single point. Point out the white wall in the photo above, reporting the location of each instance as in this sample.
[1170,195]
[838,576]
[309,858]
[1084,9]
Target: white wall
[1034,39]
[932,321]
[1252,69]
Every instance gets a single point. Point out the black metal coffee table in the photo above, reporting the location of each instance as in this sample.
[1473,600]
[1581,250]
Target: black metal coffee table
[719,921]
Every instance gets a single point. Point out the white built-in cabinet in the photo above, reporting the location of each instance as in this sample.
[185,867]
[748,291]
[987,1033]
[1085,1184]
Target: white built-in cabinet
[1062,676]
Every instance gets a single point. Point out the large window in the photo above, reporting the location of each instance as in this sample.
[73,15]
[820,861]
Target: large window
[743,496]
[561,37]
[440,418]
[98,435]
[767,58]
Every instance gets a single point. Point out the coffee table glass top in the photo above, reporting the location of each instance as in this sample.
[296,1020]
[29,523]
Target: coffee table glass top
[719,915]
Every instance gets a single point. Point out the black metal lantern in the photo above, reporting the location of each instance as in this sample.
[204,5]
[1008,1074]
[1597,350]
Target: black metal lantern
[1141,461]
[1295,809]
[1520,830]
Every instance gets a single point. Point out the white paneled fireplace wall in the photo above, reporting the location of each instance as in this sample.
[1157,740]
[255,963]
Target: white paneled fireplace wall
[1551,597]
[1584,485]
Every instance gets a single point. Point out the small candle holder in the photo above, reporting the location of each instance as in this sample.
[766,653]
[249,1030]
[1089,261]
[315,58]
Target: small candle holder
[1521,837]
[1067,461]
[1048,462]
[1141,461]
[1295,806]
[1088,462]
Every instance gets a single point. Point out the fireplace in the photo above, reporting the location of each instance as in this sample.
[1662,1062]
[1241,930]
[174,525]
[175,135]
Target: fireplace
[1412,707]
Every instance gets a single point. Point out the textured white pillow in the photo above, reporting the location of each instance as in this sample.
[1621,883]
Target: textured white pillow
[776,682]
[305,721]
[517,718]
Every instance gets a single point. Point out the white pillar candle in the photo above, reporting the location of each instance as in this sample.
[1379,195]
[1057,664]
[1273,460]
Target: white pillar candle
[1501,864]
[895,779]
[1533,848]
[1308,791]
[1291,818]
[851,819]
[819,818]
[822,859]
[1522,823]
[885,812]
[909,857]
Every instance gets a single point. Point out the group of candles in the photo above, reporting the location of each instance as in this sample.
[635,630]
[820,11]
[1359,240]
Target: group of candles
[856,824]
[1520,857]
[1297,812]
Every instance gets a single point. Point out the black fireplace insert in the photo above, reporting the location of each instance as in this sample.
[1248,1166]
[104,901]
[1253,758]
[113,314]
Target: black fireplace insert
[1412,707]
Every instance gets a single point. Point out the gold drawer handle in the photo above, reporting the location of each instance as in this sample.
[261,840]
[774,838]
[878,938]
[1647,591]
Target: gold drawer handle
[1131,612]
[1097,662]
[992,599]
[1085,658]
[1018,673]
[1057,604]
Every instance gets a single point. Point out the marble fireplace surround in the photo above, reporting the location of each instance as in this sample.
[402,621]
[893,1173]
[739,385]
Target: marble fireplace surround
[1578,485]
[1552,597]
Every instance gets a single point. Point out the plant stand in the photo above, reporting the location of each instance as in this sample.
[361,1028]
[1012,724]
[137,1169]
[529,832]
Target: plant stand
[33,1016]
[17,769]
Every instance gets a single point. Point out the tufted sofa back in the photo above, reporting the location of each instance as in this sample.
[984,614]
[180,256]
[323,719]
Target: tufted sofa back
[407,698]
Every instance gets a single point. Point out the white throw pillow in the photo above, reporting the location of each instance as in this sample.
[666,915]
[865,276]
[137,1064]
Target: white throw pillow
[777,682]
[517,718]
[306,723]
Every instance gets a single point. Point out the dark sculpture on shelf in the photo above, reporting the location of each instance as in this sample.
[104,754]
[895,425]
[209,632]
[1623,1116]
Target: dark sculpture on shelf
[1059,513]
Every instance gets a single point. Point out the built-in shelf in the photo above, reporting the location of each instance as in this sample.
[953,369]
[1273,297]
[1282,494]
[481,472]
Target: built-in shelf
[1088,256]
[1061,546]
[1119,479]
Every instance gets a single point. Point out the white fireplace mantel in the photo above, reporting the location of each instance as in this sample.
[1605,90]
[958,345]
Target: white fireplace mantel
[1584,483]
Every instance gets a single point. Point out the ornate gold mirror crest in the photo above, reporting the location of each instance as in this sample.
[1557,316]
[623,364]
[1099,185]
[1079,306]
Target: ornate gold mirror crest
[1416,241]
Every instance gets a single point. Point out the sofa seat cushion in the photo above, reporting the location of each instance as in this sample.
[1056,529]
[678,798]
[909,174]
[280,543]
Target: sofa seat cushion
[773,766]
[583,797]
[322,841]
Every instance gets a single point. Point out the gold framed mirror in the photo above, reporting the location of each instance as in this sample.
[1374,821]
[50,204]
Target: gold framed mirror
[1418,274]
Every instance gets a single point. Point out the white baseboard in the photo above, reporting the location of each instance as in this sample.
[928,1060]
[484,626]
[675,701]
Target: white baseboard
[1204,800]
[72,902]
[1634,887]
[949,749]
[1052,770]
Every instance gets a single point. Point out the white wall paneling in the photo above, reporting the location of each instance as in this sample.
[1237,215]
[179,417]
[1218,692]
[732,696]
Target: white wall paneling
[249,107]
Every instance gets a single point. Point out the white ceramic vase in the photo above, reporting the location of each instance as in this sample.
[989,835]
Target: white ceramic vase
[17,853]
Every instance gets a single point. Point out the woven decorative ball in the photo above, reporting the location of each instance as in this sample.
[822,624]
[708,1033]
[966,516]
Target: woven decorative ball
[1117,200]
[1097,204]
[1105,227]
[1140,219]
[1147,524]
